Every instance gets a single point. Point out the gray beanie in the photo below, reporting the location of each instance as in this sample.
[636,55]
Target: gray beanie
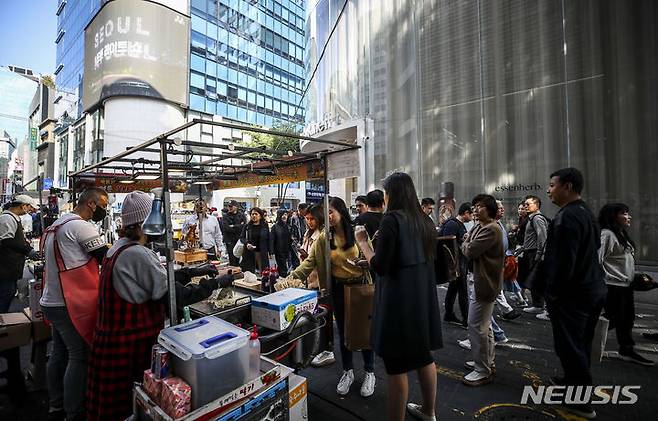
[136,208]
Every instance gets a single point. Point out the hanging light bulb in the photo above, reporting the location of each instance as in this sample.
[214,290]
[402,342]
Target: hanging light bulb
[155,222]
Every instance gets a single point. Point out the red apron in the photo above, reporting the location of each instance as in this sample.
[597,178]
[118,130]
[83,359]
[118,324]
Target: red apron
[79,288]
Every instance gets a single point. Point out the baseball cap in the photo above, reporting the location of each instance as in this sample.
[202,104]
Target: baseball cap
[26,200]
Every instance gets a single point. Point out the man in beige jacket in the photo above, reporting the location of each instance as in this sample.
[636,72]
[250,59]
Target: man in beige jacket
[484,247]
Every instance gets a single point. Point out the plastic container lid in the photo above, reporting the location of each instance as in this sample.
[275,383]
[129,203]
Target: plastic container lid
[209,337]
[281,299]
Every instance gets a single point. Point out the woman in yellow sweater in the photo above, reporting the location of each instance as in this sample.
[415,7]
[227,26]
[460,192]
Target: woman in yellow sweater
[343,252]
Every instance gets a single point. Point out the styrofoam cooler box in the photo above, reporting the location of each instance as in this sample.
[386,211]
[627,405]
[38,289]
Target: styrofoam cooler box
[210,354]
[277,310]
[35,291]
[297,398]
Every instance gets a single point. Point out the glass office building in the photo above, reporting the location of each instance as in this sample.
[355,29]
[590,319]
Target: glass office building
[72,17]
[247,59]
[494,96]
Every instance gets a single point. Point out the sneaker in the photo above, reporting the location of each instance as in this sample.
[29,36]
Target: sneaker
[345,382]
[368,386]
[503,340]
[533,310]
[324,358]
[634,357]
[514,314]
[466,344]
[475,378]
[652,336]
[417,411]
[544,316]
[470,365]
[582,410]
[451,318]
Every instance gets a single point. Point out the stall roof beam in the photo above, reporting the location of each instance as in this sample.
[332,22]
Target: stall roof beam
[136,148]
[270,132]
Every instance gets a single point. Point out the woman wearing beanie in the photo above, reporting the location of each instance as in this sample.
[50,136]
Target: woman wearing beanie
[131,313]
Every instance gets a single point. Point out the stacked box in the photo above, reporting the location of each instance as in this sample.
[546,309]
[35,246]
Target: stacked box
[175,397]
[276,311]
[152,386]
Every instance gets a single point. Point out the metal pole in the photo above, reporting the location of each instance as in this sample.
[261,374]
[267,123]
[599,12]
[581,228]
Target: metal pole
[169,235]
[40,190]
[327,248]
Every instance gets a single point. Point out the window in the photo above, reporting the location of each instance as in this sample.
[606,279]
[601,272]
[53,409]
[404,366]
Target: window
[198,63]
[198,24]
[242,94]
[232,92]
[197,80]
[221,88]
[197,102]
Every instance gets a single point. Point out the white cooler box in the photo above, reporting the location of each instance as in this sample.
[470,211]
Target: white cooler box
[276,311]
[210,354]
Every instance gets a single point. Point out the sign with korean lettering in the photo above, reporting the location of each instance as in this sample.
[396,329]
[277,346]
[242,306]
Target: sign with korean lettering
[136,48]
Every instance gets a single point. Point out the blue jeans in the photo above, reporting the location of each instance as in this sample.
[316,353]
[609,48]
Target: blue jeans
[498,332]
[67,366]
[515,288]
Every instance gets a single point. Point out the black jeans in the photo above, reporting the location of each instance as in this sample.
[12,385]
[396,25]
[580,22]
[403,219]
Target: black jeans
[338,294]
[530,280]
[620,310]
[574,324]
[457,289]
[281,264]
[14,372]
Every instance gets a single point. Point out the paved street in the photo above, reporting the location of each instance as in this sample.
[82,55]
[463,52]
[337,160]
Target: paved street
[527,359]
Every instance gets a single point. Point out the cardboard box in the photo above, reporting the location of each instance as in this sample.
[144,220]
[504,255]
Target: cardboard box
[297,398]
[277,310]
[40,330]
[187,257]
[15,330]
[35,288]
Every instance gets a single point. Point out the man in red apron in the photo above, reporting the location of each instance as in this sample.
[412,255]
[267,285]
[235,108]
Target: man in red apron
[73,251]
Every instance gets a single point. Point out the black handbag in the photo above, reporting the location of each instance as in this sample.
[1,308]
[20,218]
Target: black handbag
[643,282]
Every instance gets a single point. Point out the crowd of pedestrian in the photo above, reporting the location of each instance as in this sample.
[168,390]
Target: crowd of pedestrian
[566,270]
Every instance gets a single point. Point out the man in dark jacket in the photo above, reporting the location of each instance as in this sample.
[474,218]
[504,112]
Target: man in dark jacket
[457,288]
[14,248]
[373,216]
[575,291]
[232,224]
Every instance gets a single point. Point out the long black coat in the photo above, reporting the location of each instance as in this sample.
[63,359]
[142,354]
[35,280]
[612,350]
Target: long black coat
[406,318]
[280,239]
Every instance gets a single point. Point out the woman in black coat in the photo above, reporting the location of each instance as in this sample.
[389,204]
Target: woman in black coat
[281,242]
[256,239]
[406,323]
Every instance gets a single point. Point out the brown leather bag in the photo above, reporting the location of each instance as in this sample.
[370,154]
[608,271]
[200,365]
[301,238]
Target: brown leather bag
[358,315]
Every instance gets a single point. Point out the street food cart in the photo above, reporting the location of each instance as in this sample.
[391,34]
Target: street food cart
[174,164]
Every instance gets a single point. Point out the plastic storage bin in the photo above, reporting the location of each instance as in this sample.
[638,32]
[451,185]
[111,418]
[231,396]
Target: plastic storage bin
[210,354]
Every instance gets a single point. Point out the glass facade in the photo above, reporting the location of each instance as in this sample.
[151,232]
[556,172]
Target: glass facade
[17,92]
[247,59]
[494,96]
[71,21]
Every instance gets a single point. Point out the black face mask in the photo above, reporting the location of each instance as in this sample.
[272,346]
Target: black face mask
[99,214]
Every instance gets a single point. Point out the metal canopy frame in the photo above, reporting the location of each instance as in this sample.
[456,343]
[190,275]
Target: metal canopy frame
[210,168]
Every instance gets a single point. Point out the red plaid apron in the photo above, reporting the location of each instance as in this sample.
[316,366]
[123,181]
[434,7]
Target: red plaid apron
[121,349]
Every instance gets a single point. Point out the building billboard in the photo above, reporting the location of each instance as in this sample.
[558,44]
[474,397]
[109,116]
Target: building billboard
[136,48]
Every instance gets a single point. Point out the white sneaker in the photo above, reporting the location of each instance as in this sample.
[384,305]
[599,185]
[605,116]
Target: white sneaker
[368,386]
[466,344]
[475,378]
[417,411]
[533,310]
[345,382]
[544,316]
[324,358]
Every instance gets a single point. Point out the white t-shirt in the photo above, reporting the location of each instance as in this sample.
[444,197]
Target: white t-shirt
[76,239]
